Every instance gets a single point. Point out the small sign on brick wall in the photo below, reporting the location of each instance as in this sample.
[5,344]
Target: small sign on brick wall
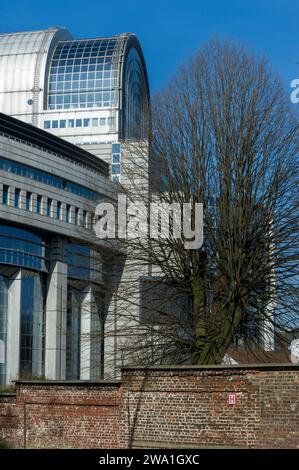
[231,398]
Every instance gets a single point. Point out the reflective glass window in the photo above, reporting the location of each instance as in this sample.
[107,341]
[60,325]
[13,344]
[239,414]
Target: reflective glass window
[80,64]
[17,197]
[21,248]
[5,194]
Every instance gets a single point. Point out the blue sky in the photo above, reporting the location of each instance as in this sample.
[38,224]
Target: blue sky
[171,31]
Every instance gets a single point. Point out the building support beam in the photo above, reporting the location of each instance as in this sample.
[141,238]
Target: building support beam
[55,348]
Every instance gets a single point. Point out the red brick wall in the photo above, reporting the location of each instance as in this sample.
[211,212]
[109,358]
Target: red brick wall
[160,407]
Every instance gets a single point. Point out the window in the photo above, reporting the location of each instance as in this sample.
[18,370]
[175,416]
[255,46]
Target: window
[28,201]
[71,123]
[55,124]
[115,148]
[58,210]
[78,122]
[49,207]
[68,213]
[82,65]
[17,197]
[102,121]
[115,169]
[94,122]
[39,204]
[47,124]
[76,216]
[116,163]
[111,121]
[86,122]
[62,123]
[5,194]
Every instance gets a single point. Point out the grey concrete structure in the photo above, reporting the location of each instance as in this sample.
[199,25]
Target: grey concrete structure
[75,106]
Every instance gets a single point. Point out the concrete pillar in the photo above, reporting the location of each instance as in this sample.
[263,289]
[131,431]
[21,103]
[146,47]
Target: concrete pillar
[13,328]
[11,196]
[44,205]
[80,217]
[88,221]
[90,337]
[56,306]
[85,335]
[63,212]
[33,202]
[22,203]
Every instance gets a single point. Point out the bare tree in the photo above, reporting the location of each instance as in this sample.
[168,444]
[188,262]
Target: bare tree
[223,134]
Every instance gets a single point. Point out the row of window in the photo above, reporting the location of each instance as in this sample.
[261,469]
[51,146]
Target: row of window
[86,122]
[75,73]
[116,163]
[44,206]
[47,178]
[83,100]
[84,49]
[70,83]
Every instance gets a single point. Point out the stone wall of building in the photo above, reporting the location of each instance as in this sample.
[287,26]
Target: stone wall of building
[160,407]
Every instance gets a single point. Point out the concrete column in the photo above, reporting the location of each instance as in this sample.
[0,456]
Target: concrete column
[80,217]
[44,205]
[72,214]
[63,212]
[56,306]
[13,328]
[85,335]
[90,337]
[22,199]
[33,202]
[54,209]
[88,221]
[11,196]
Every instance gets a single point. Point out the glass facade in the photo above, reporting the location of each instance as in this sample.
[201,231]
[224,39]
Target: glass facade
[3,327]
[136,104]
[84,74]
[21,248]
[73,334]
[32,325]
[116,163]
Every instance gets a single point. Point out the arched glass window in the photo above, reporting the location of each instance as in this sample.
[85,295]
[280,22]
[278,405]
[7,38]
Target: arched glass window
[84,74]
[136,99]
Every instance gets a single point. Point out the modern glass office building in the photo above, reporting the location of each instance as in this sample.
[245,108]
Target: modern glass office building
[88,91]
[56,92]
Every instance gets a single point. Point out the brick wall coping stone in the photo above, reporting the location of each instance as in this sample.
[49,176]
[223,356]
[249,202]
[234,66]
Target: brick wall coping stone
[286,366]
[69,382]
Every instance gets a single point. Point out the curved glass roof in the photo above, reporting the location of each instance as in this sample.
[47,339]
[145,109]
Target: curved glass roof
[84,74]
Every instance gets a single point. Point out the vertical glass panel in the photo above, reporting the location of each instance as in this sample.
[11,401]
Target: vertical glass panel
[73,335]
[32,315]
[3,328]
